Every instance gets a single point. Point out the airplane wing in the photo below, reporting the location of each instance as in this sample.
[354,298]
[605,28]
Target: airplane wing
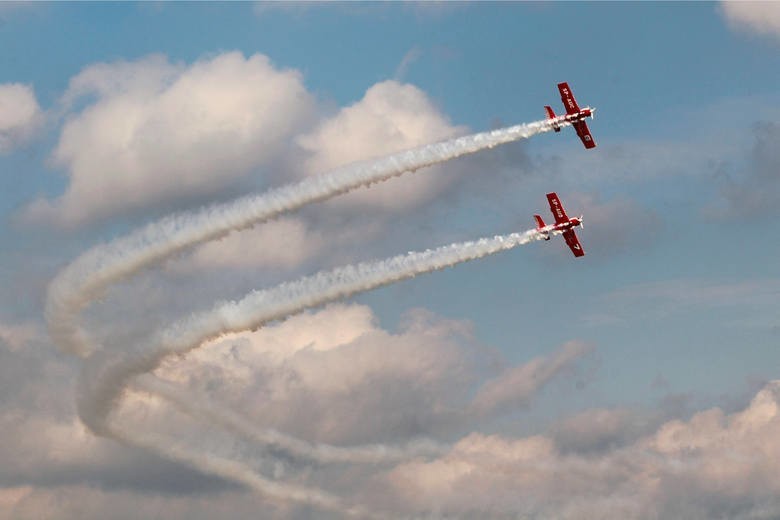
[557,208]
[571,240]
[581,127]
[568,99]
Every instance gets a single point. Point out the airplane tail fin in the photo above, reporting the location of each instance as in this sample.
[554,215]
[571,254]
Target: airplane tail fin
[540,225]
[551,115]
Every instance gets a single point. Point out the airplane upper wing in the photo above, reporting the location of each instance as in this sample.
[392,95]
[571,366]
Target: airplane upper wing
[581,127]
[557,208]
[568,99]
[571,240]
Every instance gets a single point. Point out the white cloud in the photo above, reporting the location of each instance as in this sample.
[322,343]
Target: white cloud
[20,115]
[602,429]
[759,17]
[17,336]
[707,466]
[391,117]
[158,131]
[516,385]
[713,465]
[11,496]
[42,441]
[93,503]
[280,244]
[335,375]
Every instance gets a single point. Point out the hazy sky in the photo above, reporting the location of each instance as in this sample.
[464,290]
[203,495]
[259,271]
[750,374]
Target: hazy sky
[636,382]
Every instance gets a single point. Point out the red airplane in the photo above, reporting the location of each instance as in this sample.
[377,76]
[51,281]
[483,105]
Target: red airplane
[563,225]
[574,115]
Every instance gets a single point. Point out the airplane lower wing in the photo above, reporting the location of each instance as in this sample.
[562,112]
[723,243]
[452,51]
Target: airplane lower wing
[581,127]
[571,240]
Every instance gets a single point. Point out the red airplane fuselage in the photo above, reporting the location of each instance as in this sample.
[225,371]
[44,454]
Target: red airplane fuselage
[557,229]
[564,225]
[575,116]
[571,118]
[572,223]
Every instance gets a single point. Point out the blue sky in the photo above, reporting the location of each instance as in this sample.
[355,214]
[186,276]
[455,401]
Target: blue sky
[676,300]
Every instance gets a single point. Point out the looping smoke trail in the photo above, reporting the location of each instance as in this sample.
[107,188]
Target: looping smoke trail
[238,472]
[107,378]
[201,406]
[104,378]
[90,274]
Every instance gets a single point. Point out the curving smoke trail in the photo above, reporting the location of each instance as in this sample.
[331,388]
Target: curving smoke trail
[238,472]
[91,273]
[201,406]
[105,376]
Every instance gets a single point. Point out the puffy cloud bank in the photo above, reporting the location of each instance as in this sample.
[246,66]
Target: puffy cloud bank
[150,132]
[711,466]
[154,131]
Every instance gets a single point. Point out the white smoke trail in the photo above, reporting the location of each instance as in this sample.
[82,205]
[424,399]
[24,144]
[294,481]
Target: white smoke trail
[238,472]
[90,274]
[106,378]
[201,406]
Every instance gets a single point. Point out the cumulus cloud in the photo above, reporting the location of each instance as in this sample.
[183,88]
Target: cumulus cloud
[516,385]
[758,17]
[331,375]
[93,503]
[44,443]
[147,133]
[391,117]
[337,376]
[602,430]
[17,336]
[153,131]
[20,115]
[711,465]
[281,244]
